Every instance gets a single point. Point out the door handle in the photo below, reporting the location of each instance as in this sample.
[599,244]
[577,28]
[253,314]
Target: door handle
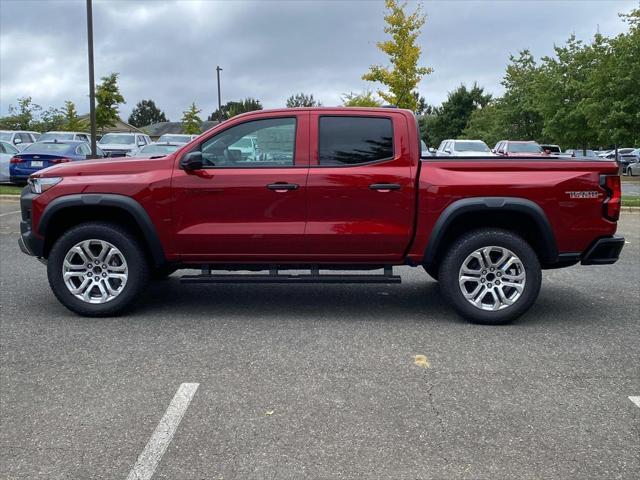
[281,187]
[384,187]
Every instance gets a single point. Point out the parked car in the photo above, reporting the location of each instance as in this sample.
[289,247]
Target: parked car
[463,148]
[611,154]
[18,138]
[628,158]
[123,144]
[174,137]
[41,155]
[7,150]
[64,136]
[347,191]
[551,149]
[157,149]
[633,169]
[579,152]
[512,148]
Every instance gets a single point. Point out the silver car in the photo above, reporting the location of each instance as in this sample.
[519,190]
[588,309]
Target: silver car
[7,150]
[18,138]
[463,148]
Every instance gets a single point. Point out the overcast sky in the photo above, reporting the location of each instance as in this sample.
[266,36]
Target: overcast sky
[168,50]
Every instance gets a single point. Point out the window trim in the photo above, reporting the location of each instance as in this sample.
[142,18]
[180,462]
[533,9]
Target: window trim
[372,162]
[198,147]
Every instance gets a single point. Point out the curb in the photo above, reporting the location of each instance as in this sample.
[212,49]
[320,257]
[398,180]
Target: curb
[10,197]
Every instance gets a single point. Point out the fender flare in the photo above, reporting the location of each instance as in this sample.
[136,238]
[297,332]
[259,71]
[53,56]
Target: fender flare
[128,204]
[493,204]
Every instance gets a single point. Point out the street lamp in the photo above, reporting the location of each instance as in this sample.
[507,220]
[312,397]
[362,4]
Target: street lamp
[92,83]
[218,70]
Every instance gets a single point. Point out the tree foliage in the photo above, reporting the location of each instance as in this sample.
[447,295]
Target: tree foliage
[364,99]
[404,74]
[191,122]
[233,108]
[108,99]
[146,113]
[302,100]
[72,122]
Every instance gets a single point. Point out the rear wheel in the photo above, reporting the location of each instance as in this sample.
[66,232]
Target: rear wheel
[97,269]
[490,276]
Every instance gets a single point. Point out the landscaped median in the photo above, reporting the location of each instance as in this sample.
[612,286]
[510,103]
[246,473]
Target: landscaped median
[10,190]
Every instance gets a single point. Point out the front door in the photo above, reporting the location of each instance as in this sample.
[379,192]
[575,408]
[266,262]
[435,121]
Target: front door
[248,202]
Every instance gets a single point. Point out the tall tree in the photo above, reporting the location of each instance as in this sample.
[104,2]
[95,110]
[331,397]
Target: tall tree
[50,119]
[364,99]
[404,74]
[302,100]
[233,108]
[72,122]
[452,117]
[21,117]
[146,113]
[191,122]
[108,98]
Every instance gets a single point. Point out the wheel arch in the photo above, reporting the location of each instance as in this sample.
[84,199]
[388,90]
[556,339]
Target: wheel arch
[518,215]
[70,210]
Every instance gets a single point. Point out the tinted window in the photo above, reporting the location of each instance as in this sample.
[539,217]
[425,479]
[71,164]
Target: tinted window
[354,140]
[272,145]
[47,148]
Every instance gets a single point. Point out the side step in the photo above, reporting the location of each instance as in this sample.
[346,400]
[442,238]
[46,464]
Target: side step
[274,277]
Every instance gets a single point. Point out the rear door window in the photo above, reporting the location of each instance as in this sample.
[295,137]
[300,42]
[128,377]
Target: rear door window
[345,141]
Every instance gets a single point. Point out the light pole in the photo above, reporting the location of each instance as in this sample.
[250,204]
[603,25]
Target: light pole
[92,83]
[218,70]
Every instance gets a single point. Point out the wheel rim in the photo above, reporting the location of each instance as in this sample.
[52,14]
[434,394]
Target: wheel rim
[492,278]
[95,271]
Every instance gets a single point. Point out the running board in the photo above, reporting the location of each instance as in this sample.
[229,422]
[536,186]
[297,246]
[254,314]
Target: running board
[274,277]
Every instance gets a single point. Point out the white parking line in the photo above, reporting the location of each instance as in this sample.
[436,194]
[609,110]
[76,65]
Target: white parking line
[9,213]
[152,454]
[635,400]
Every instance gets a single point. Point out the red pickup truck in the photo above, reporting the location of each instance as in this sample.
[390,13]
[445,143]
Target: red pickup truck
[329,191]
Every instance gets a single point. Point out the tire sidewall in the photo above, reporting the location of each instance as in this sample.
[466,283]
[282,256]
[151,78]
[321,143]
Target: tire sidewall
[449,275]
[136,265]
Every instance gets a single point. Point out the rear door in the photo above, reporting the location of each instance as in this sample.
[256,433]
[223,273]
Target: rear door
[360,188]
[247,203]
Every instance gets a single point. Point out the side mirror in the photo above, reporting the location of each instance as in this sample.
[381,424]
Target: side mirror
[446,150]
[191,161]
[141,144]
[17,141]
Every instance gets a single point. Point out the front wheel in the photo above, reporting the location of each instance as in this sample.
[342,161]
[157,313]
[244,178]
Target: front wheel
[490,276]
[97,269]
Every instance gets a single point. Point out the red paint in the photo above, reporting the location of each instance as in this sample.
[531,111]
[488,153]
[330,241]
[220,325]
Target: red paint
[228,215]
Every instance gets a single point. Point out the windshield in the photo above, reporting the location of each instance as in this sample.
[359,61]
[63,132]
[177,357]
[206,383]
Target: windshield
[47,148]
[175,138]
[524,147]
[6,136]
[471,146]
[156,150]
[55,136]
[113,138]
[244,142]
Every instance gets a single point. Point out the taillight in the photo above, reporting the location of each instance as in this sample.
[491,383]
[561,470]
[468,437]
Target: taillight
[60,160]
[613,199]
[16,160]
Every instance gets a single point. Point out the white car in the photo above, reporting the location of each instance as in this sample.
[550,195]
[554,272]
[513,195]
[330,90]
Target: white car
[463,148]
[7,150]
[62,136]
[176,138]
[123,144]
[18,138]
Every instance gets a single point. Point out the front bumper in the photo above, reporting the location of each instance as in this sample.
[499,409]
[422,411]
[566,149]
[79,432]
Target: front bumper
[604,251]
[29,242]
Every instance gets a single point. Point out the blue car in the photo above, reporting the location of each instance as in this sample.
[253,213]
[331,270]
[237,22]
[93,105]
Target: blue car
[41,155]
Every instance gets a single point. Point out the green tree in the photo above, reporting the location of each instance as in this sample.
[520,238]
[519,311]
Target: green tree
[404,74]
[486,124]
[50,119]
[72,122]
[452,117]
[108,98]
[302,100]
[191,122]
[233,108]
[364,99]
[21,117]
[146,113]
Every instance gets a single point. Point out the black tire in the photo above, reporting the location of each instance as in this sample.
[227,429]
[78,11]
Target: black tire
[123,240]
[465,246]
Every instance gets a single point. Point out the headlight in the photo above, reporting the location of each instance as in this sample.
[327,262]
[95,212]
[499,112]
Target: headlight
[40,185]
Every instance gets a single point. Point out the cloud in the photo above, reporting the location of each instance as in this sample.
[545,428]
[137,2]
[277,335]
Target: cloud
[168,51]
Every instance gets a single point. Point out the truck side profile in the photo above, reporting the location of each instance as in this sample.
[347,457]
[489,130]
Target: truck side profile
[331,189]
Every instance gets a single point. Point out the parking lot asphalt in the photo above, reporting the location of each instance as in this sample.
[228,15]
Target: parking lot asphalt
[320,381]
